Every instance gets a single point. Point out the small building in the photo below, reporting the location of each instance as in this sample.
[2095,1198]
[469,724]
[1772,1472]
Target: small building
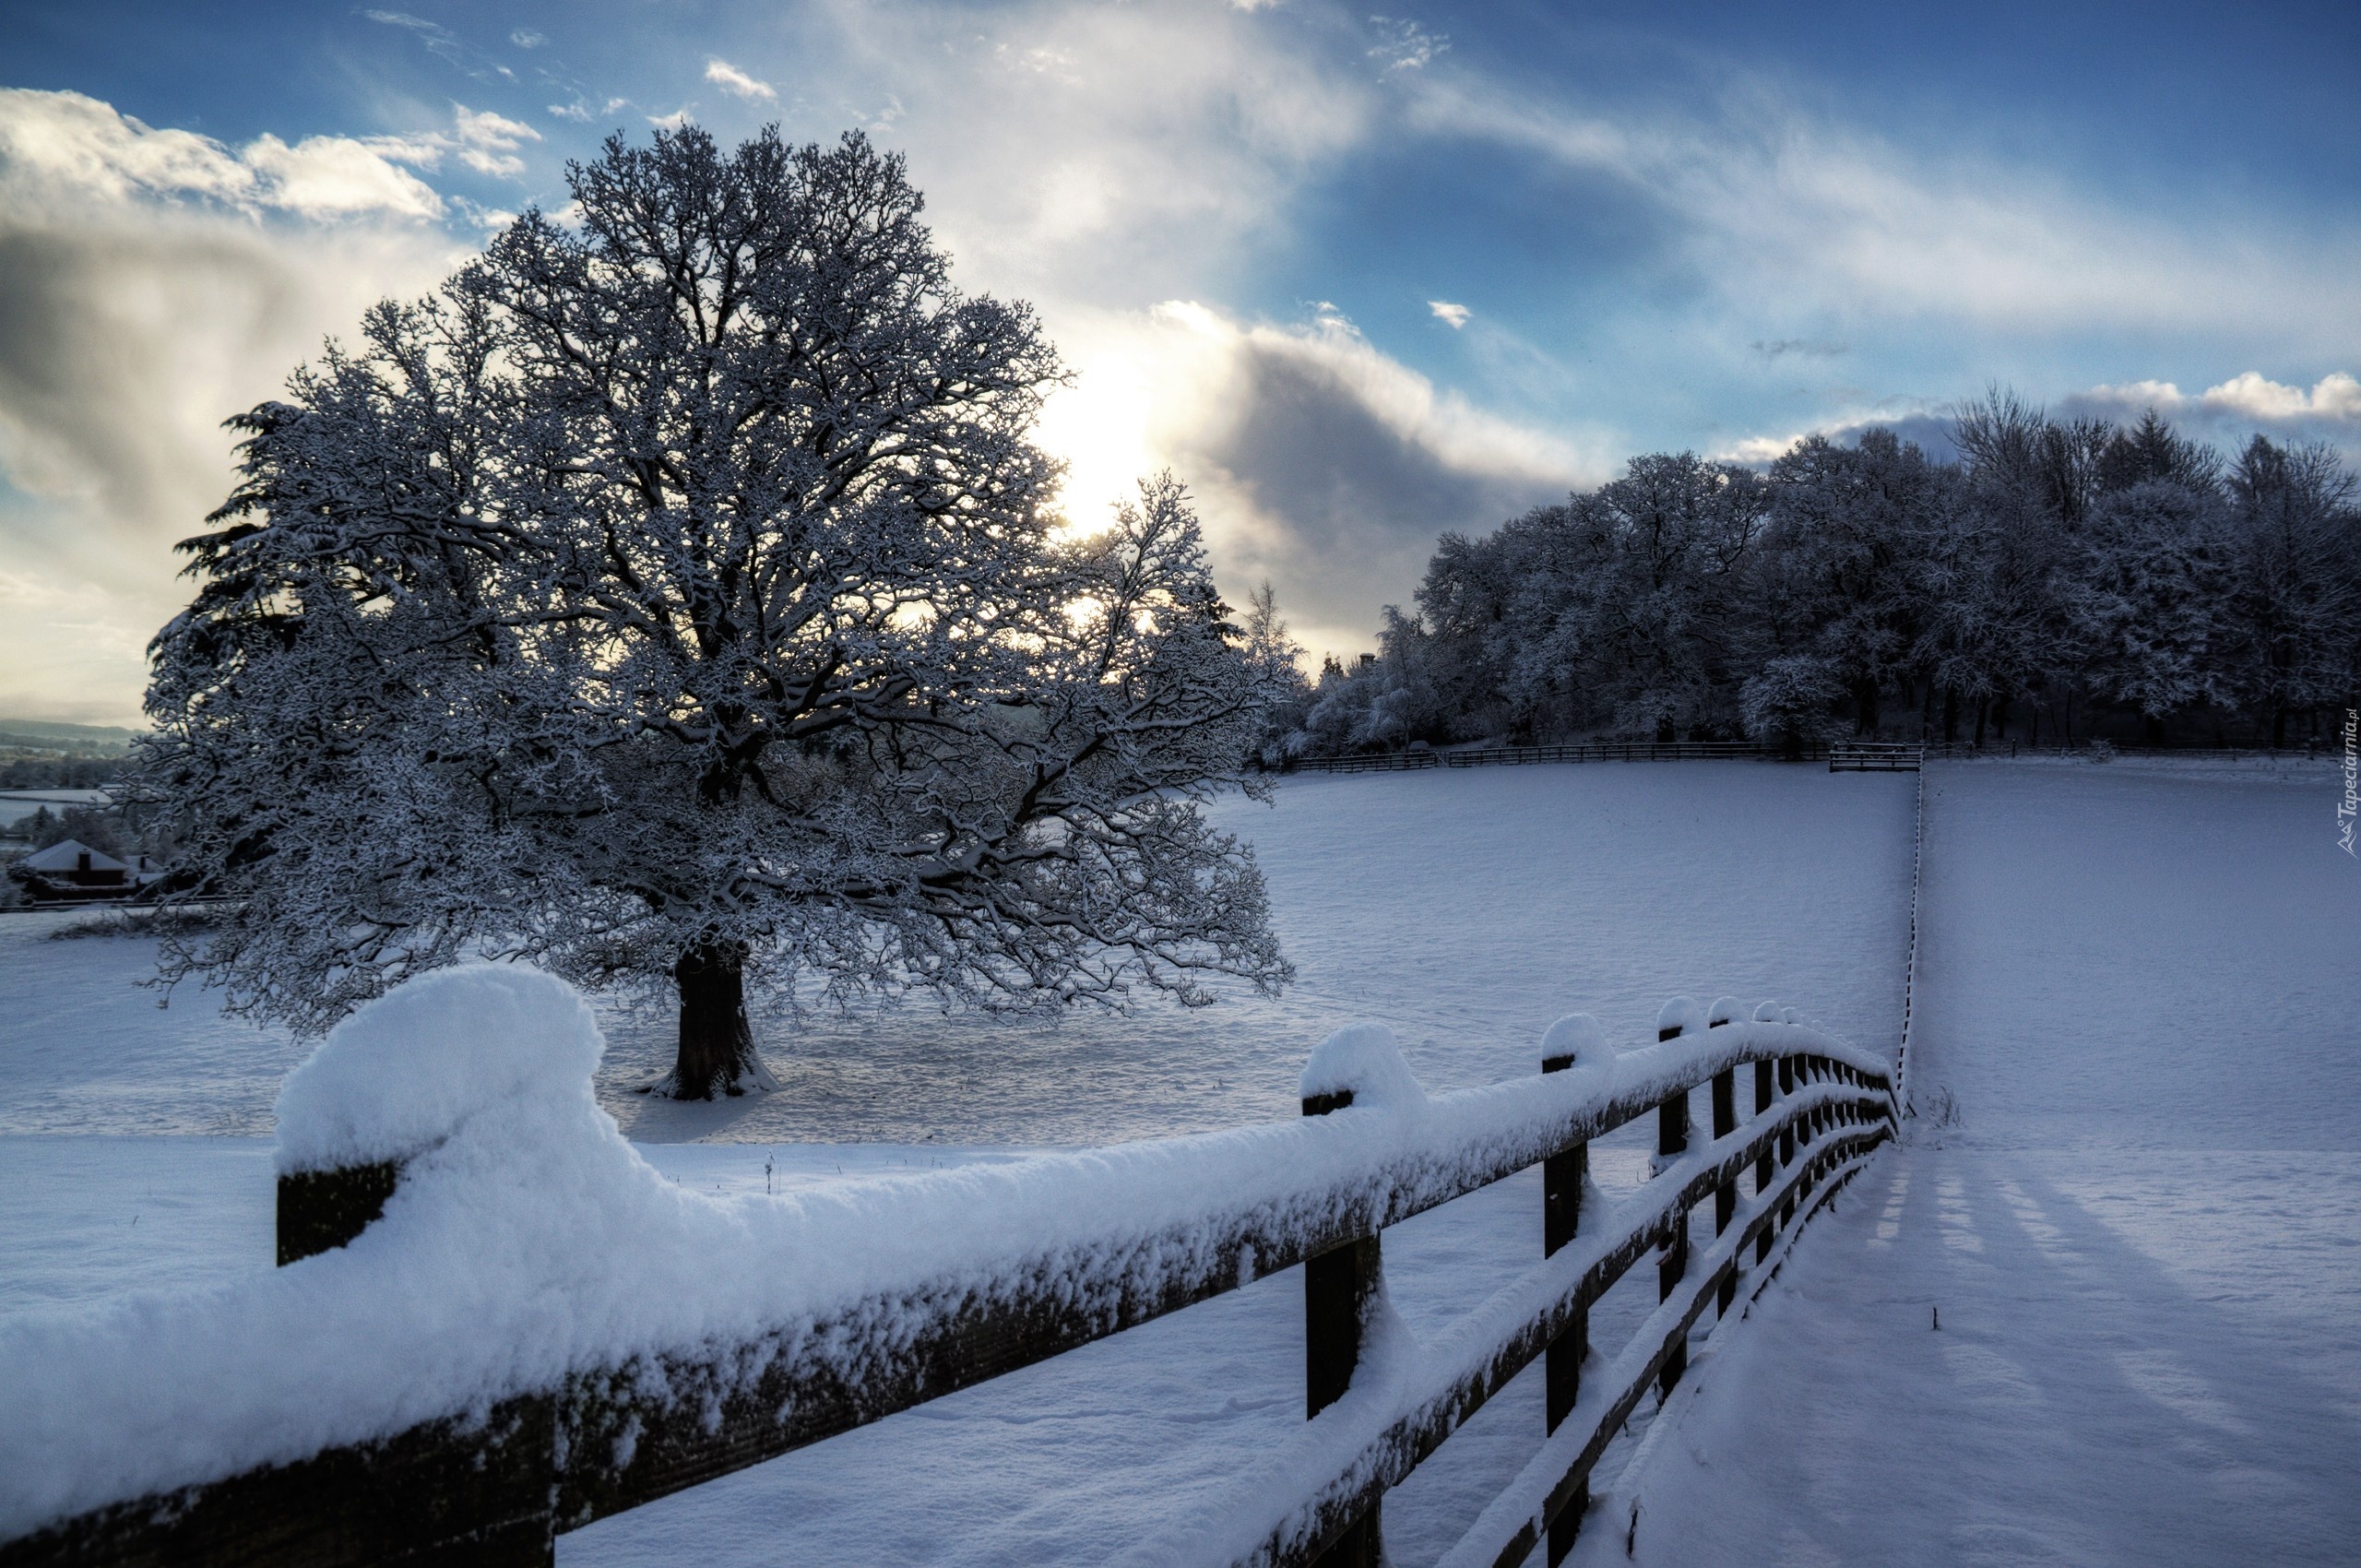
[70,869]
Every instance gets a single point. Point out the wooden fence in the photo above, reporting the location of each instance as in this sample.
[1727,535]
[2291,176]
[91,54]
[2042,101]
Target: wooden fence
[1842,756]
[1873,756]
[495,1485]
[1591,751]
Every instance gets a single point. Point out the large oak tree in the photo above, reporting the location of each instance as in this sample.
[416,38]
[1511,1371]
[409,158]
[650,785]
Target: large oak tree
[678,598]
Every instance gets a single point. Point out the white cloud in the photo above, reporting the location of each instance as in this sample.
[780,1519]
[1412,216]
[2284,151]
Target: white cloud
[64,147]
[673,120]
[1086,154]
[525,37]
[322,177]
[2231,411]
[2336,397]
[159,281]
[486,141]
[735,82]
[1454,317]
[2248,395]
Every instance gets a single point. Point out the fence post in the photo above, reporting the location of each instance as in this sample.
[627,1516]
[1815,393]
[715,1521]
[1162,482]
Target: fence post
[1762,1090]
[1786,1134]
[1725,1196]
[1672,1138]
[323,1210]
[1338,1286]
[1808,1073]
[1562,1206]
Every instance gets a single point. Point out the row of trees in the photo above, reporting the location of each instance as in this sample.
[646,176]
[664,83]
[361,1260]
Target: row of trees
[2063,578]
[60,773]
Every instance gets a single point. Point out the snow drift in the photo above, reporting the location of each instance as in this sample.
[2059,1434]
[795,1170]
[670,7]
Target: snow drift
[528,1241]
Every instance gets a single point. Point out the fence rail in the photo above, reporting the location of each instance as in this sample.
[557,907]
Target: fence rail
[495,1482]
[1590,750]
[1842,755]
[1871,757]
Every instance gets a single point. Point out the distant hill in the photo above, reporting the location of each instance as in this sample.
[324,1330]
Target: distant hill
[80,740]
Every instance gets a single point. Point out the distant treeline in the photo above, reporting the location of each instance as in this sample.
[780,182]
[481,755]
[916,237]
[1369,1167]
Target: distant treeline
[60,773]
[2064,579]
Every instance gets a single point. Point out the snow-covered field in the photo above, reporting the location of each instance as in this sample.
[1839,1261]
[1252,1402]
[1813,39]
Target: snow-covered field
[1465,910]
[2139,1225]
[2138,1220]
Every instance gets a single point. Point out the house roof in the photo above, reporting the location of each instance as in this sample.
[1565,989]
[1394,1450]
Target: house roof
[66,855]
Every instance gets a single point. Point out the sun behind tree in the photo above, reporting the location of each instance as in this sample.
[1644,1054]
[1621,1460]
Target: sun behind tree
[672,601]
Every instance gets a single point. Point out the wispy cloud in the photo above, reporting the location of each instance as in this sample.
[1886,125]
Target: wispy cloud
[735,82]
[1782,211]
[580,112]
[1454,317]
[449,47]
[1403,45]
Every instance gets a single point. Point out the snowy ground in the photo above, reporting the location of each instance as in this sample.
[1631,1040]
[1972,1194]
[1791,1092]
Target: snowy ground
[1465,910]
[2141,1227]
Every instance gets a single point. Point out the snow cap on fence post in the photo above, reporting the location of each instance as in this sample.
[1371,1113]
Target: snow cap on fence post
[1575,1041]
[1680,1016]
[1362,1063]
[1725,1010]
[1769,1012]
[407,1070]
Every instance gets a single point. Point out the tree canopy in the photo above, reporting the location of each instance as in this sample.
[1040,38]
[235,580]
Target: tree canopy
[678,596]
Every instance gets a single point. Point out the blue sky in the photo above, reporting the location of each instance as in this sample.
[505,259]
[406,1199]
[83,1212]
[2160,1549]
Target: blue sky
[1358,278]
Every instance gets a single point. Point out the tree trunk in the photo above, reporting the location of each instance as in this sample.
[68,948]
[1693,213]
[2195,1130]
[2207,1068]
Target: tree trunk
[716,1043]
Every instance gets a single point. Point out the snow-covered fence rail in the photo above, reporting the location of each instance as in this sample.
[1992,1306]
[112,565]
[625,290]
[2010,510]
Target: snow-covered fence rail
[536,1331]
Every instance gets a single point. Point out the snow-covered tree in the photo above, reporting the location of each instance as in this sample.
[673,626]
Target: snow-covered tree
[2150,593]
[2298,577]
[1786,703]
[674,600]
[1847,537]
[1276,659]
